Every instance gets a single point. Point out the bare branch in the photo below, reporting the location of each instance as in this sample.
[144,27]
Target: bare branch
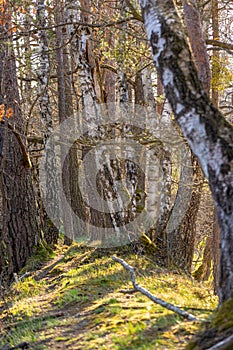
[84,24]
[114,70]
[220,44]
[156,300]
[223,344]
[133,10]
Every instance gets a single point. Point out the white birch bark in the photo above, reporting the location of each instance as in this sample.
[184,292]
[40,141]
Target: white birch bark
[208,133]
[51,196]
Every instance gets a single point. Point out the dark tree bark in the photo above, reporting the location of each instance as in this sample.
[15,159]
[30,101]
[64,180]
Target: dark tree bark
[215,101]
[208,133]
[19,231]
[193,26]
[181,227]
[65,110]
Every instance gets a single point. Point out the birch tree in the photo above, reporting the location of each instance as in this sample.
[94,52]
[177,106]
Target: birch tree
[209,135]
[182,235]
[50,230]
[215,100]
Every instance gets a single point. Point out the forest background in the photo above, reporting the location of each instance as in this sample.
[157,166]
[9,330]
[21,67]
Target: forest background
[60,57]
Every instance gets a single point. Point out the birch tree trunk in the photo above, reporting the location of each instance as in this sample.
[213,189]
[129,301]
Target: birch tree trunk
[215,101]
[51,196]
[144,95]
[182,237]
[91,116]
[209,135]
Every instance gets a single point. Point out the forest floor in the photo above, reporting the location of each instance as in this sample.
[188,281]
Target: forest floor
[73,299]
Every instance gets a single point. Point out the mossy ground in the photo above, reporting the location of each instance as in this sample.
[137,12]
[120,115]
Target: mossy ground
[217,329]
[74,301]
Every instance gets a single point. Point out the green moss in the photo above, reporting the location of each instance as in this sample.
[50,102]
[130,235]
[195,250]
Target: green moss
[41,254]
[224,317]
[149,247]
[192,346]
[218,328]
[28,287]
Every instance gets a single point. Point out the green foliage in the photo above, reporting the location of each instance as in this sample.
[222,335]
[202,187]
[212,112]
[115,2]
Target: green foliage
[222,76]
[70,296]
[223,319]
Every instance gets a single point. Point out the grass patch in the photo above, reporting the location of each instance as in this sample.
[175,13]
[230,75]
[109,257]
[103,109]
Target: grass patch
[28,287]
[84,287]
[70,296]
[23,332]
[42,253]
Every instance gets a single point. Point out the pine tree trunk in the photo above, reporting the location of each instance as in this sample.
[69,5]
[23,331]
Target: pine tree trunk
[65,110]
[19,231]
[181,236]
[215,101]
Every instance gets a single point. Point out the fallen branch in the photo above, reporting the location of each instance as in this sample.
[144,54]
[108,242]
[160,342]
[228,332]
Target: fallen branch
[223,344]
[156,300]
[128,291]
[19,278]
[26,158]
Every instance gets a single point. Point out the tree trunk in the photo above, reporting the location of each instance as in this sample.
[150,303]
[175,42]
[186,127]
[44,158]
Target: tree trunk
[208,133]
[51,196]
[215,101]
[204,270]
[19,231]
[181,237]
[144,95]
[181,227]
[65,110]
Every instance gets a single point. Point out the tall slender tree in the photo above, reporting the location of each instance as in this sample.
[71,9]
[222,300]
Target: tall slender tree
[19,231]
[182,236]
[209,135]
[215,100]
[51,196]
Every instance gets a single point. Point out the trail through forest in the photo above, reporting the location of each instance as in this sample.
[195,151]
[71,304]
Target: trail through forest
[77,300]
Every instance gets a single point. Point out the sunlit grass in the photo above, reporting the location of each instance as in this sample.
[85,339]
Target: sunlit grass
[86,288]
[28,288]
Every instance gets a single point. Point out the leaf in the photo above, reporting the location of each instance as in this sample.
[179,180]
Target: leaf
[5,112]
[9,112]
[2,111]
